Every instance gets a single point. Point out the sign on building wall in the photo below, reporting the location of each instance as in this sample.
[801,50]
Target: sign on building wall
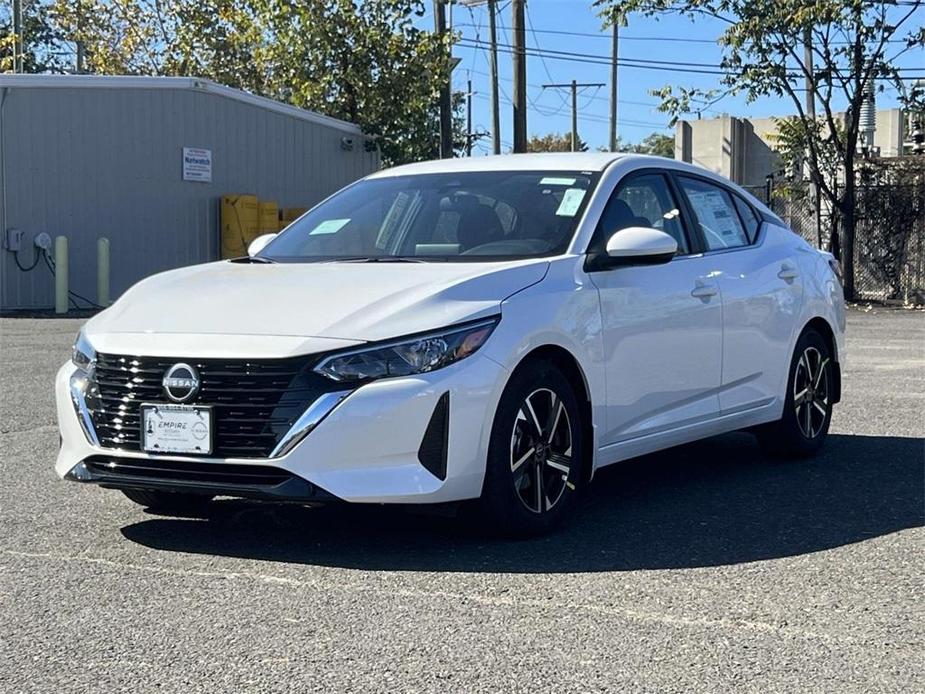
[197,164]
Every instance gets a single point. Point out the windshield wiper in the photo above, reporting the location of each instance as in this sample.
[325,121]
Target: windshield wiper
[377,259]
[253,259]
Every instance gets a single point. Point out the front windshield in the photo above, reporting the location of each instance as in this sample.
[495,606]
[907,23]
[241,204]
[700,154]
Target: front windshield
[460,217]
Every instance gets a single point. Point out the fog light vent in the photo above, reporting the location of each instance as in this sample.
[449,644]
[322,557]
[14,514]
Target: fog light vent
[433,451]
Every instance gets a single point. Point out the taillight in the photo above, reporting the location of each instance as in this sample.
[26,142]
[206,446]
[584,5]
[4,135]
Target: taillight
[836,268]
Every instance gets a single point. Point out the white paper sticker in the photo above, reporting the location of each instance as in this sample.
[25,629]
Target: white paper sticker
[197,164]
[552,181]
[571,201]
[712,211]
[329,226]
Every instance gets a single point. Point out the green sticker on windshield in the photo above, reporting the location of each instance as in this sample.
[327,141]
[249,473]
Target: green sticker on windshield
[553,181]
[330,226]
[571,201]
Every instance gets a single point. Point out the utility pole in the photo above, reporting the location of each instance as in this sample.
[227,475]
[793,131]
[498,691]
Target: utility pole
[469,118]
[446,105]
[613,86]
[17,41]
[574,86]
[810,76]
[81,54]
[493,61]
[811,113]
[493,69]
[520,76]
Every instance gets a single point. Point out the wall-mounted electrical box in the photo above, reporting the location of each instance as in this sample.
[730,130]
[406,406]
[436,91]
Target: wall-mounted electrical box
[13,240]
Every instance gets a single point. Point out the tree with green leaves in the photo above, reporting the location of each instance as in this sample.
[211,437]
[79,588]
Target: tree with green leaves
[656,144]
[42,51]
[854,46]
[554,142]
[659,144]
[363,61]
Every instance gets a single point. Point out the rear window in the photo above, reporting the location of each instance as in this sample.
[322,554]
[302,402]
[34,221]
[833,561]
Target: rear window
[716,214]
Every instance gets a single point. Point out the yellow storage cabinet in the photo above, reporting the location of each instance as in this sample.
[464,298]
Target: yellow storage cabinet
[240,224]
[269,217]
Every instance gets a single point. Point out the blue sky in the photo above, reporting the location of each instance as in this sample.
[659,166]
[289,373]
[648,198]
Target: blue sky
[647,38]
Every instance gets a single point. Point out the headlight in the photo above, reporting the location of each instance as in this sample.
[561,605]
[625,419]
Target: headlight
[414,355]
[83,354]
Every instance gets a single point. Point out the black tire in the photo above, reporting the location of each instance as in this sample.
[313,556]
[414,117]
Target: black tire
[169,502]
[512,501]
[803,428]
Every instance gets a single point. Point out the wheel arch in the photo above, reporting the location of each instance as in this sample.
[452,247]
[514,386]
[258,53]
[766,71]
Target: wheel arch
[566,362]
[822,326]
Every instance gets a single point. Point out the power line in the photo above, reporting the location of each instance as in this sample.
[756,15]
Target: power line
[542,59]
[630,102]
[640,63]
[598,117]
[590,59]
[659,39]
[574,86]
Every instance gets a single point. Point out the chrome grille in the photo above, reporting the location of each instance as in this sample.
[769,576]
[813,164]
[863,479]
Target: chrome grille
[254,402]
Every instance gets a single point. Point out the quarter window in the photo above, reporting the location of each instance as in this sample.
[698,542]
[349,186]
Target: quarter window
[716,214]
[643,201]
[749,218]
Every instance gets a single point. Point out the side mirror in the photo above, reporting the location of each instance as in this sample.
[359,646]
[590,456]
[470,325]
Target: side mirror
[259,243]
[641,246]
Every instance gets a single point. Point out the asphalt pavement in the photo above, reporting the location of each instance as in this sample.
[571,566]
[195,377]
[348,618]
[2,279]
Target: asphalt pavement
[708,568]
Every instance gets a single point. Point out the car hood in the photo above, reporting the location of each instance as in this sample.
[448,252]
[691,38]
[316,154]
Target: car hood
[335,304]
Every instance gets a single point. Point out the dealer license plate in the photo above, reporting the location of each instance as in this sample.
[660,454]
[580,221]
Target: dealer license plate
[176,429]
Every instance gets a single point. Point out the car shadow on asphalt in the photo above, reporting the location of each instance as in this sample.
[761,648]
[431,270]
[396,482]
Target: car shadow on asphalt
[711,503]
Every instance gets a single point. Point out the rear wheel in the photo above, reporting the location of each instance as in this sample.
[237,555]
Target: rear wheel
[534,457]
[804,425]
[168,502]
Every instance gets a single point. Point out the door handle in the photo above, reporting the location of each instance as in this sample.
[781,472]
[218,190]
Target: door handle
[704,291]
[788,272]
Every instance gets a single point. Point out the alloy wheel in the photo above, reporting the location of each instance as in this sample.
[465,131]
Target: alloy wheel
[541,450]
[811,392]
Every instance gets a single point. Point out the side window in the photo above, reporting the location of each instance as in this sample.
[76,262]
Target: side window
[749,218]
[716,214]
[643,201]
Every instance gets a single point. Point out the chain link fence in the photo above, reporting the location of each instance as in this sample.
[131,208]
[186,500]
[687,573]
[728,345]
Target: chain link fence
[889,249]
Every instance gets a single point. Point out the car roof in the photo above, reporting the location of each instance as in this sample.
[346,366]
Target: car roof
[567,161]
[540,161]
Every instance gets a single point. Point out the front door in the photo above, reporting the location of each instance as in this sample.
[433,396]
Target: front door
[662,324]
[762,293]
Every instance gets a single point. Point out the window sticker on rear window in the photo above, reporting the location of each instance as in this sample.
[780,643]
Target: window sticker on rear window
[329,226]
[571,201]
[553,181]
[712,210]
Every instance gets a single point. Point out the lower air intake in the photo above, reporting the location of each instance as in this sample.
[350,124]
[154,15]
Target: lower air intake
[433,451]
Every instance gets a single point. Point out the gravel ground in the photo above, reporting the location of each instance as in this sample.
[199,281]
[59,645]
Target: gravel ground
[705,568]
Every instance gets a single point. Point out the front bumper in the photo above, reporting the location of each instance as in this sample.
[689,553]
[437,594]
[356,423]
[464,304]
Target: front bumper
[365,450]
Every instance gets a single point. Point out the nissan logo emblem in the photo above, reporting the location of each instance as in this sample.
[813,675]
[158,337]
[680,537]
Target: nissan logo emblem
[181,383]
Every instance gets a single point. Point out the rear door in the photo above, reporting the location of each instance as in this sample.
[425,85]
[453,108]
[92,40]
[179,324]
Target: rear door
[762,291]
[662,324]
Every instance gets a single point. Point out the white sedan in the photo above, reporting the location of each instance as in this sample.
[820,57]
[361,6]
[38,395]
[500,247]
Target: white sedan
[492,328]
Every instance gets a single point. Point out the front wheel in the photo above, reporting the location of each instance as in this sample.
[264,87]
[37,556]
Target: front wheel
[804,425]
[535,453]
